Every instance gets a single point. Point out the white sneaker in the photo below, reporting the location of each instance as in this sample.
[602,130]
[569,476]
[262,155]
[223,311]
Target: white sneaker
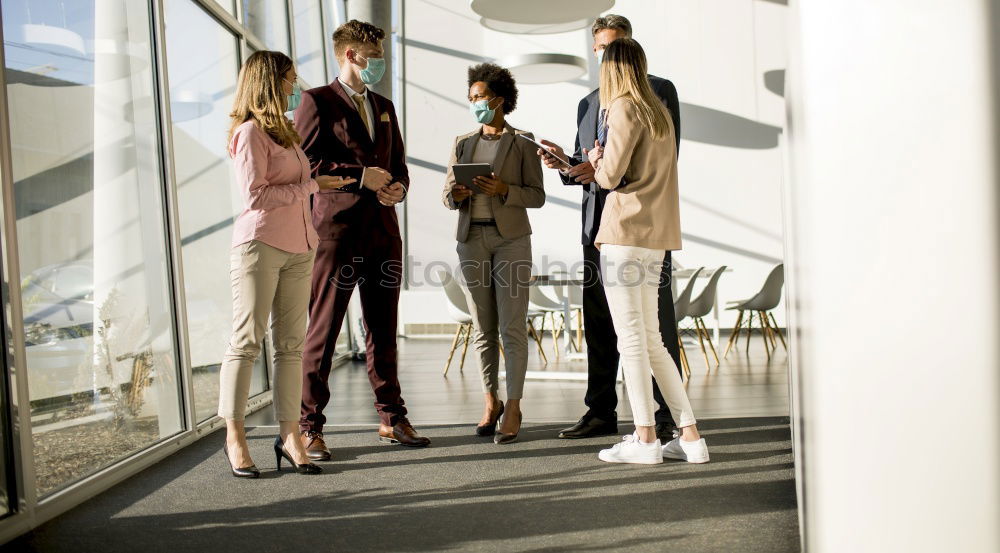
[631,450]
[692,452]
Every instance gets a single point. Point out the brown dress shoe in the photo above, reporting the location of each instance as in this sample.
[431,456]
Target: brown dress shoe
[403,434]
[315,446]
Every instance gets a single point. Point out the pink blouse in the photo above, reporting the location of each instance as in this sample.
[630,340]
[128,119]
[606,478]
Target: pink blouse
[275,184]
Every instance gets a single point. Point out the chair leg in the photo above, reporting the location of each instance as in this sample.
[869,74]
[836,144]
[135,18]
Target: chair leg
[770,331]
[556,332]
[701,342]
[465,348]
[749,330]
[579,329]
[735,334]
[685,367]
[538,340]
[454,346]
[778,331]
[764,336]
[708,337]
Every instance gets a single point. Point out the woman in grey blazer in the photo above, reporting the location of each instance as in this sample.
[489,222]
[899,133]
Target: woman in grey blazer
[494,241]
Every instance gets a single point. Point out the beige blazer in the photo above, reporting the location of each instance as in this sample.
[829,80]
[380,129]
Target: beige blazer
[643,207]
[516,164]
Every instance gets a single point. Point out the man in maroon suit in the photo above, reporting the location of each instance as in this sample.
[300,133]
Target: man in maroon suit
[349,130]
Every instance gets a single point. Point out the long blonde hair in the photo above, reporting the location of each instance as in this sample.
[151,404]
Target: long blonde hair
[260,97]
[623,75]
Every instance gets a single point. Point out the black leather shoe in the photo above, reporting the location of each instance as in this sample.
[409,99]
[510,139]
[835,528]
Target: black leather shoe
[665,431]
[590,426]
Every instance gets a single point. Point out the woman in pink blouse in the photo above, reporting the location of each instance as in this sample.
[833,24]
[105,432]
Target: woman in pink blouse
[272,257]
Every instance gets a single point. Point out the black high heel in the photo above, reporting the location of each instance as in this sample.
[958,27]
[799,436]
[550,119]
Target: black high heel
[490,428]
[279,452]
[501,438]
[247,472]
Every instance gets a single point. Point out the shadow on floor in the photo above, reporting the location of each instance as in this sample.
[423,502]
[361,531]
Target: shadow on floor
[462,494]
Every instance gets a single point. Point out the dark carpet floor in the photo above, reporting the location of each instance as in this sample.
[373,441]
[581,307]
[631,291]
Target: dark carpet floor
[462,494]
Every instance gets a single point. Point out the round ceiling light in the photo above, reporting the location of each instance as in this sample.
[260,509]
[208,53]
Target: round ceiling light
[532,29]
[61,38]
[535,17]
[545,68]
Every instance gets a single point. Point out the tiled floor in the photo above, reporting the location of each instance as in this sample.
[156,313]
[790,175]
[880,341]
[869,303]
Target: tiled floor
[743,386]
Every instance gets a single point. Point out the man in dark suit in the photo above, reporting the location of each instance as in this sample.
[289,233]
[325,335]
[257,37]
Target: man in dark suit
[602,352]
[349,130]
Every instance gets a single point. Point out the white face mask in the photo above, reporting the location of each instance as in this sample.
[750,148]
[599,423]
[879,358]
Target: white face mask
[600,56]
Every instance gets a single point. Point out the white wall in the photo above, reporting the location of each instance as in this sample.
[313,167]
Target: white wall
[893,217]
[730,163]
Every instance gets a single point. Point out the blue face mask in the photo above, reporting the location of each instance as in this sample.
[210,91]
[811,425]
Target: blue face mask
[600,56]
[295,98]
[373,72]
[482,112]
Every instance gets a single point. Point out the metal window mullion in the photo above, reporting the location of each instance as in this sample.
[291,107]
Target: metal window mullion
[290,12]
[400,86]
[231,23]
[323,34]
[26,494]
[172,216]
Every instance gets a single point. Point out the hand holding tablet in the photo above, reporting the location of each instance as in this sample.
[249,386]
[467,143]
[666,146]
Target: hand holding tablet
[465,173]
[547,151]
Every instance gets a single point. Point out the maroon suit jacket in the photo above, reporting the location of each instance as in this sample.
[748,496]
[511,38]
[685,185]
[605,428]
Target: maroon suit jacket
[336,142]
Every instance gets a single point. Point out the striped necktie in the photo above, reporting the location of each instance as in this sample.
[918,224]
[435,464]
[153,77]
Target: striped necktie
[602,128]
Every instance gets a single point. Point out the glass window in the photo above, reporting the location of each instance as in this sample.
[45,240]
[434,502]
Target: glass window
[334,15]
[309,60]
[268,21]
[98,322]
[203,64]
[230,5]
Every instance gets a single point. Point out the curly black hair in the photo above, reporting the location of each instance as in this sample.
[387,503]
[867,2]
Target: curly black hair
[498,80]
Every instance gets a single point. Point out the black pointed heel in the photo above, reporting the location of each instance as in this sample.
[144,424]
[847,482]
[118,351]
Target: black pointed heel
[247,472]
[500,438]
[279,452]
[490,428]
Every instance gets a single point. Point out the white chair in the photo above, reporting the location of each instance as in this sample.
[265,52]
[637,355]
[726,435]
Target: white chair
[680,313]
[762,304]
[698,308]
[458,308]
[541,305]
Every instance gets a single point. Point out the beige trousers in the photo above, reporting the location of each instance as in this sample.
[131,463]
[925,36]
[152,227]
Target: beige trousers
[266,281]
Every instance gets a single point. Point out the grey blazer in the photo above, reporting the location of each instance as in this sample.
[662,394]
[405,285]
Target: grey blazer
[516,164]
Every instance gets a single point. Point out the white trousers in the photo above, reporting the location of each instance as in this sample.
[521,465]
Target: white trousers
[632,283]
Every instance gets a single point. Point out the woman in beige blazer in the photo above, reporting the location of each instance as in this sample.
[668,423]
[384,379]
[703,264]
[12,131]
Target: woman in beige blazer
[639,223]
[494,241]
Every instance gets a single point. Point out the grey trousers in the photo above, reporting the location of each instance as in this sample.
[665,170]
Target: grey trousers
[266,281]
[497,274]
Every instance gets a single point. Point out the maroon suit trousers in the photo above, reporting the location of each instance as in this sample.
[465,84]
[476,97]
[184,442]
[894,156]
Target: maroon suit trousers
[372,263]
